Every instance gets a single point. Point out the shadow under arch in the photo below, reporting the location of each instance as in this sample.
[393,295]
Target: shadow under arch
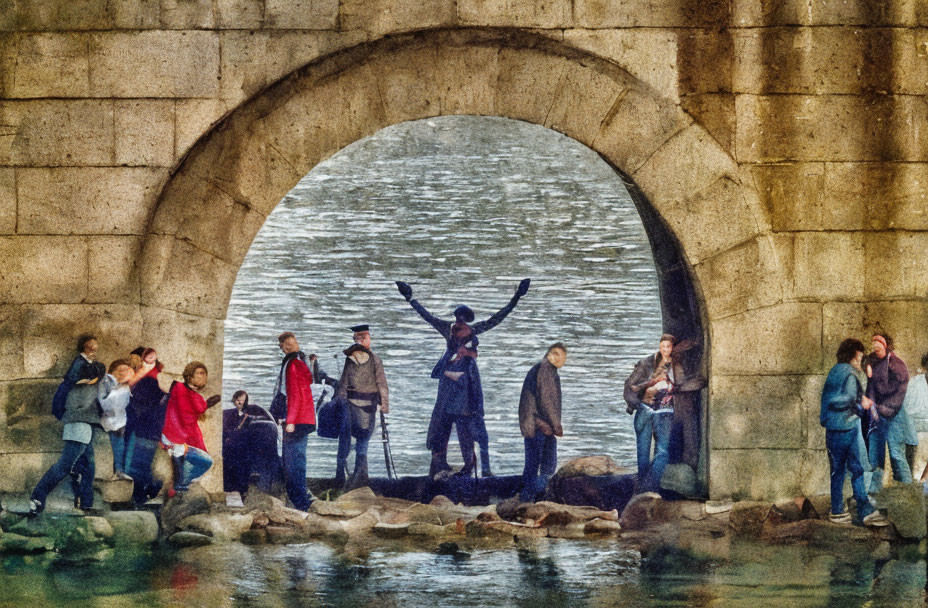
[217,199]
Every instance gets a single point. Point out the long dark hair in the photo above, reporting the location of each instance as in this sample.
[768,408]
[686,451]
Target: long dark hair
[238,394]
[848,349]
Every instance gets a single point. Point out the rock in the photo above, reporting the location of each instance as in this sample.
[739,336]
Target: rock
[253,537]
[589,466]
[384,530]
[747,518]
[194,501]
[99,527]
[680,478]
[189,539]
[489,514]
[714,507]
[234,500]
[315,526]
[905,508]
[222,527]
[546,513]
[133,527]
[784,512]
[426,530]
[426,514]
[16,543]
[281,535]
[602,526]
[256,499]
[115,491]
[883,551]
[641,511]
[571,530]
[682,509]
[361,524]
[331,509]
[484,529]
[816,507]
[605,492]
[260,519]
[818,532]
[285,515]
[442,501]
[8,520]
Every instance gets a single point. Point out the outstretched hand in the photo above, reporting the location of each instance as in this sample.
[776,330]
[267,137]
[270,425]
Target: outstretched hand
[523,287]
[213,400]
[405,290]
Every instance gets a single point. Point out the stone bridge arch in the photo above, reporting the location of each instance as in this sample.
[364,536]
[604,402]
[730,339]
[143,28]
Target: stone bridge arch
[220,194]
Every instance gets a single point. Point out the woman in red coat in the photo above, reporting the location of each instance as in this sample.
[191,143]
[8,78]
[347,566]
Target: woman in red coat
[181,435]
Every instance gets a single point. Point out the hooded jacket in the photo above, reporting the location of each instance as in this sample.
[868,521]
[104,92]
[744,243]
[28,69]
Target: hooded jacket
[840,399]
[888,384]
[540,402]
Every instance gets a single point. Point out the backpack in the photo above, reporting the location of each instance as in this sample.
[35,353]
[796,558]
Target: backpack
[60,400]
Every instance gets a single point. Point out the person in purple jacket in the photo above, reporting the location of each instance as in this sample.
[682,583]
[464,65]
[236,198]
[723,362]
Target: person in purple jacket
[886,387]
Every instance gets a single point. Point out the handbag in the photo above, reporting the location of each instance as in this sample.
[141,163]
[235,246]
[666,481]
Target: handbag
[329,418]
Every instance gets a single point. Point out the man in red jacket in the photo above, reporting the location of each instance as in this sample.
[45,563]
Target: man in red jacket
[294,389]
[181,434]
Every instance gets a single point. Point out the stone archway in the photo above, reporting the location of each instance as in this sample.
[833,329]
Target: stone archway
[683,181]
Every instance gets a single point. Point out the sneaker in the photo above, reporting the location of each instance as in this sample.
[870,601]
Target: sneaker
[840,518]
[35,507]
[876,519]
[123,476]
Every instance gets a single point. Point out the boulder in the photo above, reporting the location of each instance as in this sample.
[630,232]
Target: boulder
[362,524]
[641,511]
[194,501]
[189,539]
[747,518]
[385,530]
[133,527]
[17,543]
[590,466]
[905,508]
[784,512]
[285,515]
[428,514]
[714,507]
[680,478]
[99,527]
[256,499]
[818,532]
[425,530]
[254,537]
[605,492]
[572,530]
[222,527]
[315,526]
[816,507]
[503,529]
[331,509]
[442,501]
[602,526]
[115,491]
[692,510]
[282,535]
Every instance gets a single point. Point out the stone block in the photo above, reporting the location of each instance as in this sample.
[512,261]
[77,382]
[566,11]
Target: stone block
[113,276]
[242,64]
[894,265]
[880,196]
[504,13]
[42,269]
[50,333]
[289,50]
[133,527]
[56,132]
[827,265]
[757,412]
[239,14]
[136,14]
[11,342]
[182,338]
[23,469]
[175,275]
[780,339]
[810,394]
[193,118]
[528,80]
[386,16]
[754,474]
[469,82]
[906,321]
[407,85]
[814,472]
[705,61]
[8,201]
[145,133]
[8,49]
[191,71]
[49,65]
[905,508]
[585,99]
[827,127]
[649,13]
[716,113]
[649,55]
[747,518]
[745,277]
[37,15]
[187,14]
[301,14]
[95,200]
[746,13]
[30,401]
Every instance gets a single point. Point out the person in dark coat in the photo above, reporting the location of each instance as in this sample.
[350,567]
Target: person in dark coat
[886,387]
[249,443]
[363,388]
[540,421]
[144,422]
[459,402]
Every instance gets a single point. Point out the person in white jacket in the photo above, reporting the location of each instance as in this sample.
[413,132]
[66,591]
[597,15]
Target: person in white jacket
[114,395]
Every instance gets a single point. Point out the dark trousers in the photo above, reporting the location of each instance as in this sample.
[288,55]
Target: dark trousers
[686,428]
[540,465]
[140,452]
[464,426]
[293,456]
[77,461]
[478,430]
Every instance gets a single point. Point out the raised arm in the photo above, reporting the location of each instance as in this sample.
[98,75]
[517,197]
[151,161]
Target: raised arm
[441,326]
[496,319]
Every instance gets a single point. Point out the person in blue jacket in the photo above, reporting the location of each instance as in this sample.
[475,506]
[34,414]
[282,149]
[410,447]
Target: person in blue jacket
[842,400]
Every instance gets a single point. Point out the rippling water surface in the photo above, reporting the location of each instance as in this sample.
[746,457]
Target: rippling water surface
[462,208]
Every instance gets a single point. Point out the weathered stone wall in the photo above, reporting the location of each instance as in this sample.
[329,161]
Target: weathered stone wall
[143,142]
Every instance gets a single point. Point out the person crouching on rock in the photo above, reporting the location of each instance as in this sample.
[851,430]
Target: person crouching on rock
[842,399]
[363,386]
[540,421]
[459,401]
[181,435]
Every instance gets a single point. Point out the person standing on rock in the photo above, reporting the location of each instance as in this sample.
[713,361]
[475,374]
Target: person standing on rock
[842,400]
[647,398]
[459,332]
[363,387]
[249,444]
[540,421]
[294,409]
[144,422]
[114,395]
[80,417]
[181,436]
[886,387]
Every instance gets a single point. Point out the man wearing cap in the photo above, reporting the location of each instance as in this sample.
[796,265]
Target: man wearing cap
[887,385]
[363,386]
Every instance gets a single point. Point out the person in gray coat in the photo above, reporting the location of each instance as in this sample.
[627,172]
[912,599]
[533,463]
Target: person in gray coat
[540,421]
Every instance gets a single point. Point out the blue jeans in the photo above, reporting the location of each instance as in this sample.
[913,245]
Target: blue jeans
[643,431]
[118,443]
[661,423]
[362,439]
[879,439]
[196,463]
[77,461]
[139,455]
[862,456]
[844,456]
[293,455]
[540,453]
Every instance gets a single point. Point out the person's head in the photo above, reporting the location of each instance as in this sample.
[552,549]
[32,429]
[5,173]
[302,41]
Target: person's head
[121,370]
[463,314]
[850,351]
[135,362]
[361,334]
[150,357]
[195,375]
[665,346]
[87,345]
[288,343]
[461,331]
[881,344]
[240,399]
[557,354]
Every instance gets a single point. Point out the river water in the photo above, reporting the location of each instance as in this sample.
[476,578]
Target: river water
[462,208]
